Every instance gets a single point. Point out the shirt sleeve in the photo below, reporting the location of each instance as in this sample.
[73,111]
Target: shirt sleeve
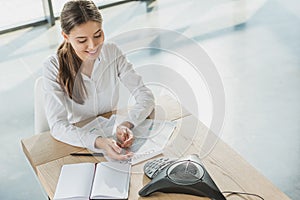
[133,82]
[56,112]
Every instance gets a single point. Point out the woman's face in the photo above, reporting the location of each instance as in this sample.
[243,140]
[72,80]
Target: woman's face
[86,39]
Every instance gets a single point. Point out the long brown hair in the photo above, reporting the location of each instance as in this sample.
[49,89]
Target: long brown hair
[74,13]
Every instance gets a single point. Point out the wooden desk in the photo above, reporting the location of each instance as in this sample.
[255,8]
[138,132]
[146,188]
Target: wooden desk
[228,169]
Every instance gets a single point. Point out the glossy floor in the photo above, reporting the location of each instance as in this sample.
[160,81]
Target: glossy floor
[255,46]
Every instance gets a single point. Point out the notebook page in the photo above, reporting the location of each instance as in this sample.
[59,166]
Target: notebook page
[75,181]
[111,181]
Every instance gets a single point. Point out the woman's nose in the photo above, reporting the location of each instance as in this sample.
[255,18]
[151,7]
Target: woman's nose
[91,44]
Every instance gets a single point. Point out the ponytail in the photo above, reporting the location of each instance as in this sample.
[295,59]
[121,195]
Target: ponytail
[69,73]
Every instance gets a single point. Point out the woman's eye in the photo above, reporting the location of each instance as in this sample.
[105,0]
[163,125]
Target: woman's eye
[81,41]
[97,36]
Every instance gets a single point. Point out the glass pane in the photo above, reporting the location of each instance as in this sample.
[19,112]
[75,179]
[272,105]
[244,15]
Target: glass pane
[16,12]
[104,2]
[58,4]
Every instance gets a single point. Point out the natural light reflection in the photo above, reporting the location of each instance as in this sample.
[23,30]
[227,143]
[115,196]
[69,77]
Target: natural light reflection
[15,12]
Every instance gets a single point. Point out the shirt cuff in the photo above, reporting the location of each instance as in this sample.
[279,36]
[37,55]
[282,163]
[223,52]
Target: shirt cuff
[89,142]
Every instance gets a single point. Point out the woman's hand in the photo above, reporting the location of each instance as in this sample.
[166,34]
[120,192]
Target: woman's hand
[112,149]
[124,136]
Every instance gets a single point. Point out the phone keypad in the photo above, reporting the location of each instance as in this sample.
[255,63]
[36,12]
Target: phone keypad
[151,168]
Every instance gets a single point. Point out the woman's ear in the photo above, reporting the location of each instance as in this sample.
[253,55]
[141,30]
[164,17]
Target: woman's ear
[66,37]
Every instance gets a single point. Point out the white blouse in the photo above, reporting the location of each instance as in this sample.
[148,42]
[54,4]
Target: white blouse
[102,88]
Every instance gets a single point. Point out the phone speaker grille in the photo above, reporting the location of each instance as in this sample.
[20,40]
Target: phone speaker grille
[185,172]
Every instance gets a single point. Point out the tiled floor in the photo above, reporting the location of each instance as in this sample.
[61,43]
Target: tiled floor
[255,46]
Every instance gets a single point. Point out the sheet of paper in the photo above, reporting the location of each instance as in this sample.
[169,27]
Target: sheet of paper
[111,181]
[75,181]
[102,126]
[151,137]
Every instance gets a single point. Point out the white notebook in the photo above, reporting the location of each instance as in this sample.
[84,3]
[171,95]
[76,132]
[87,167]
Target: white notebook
[84,181]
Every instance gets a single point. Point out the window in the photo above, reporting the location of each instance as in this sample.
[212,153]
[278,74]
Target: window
[15,13]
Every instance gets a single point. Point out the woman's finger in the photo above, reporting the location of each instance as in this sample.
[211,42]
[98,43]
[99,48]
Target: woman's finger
[112,154]
[120,136]
[129,142]
[113,144]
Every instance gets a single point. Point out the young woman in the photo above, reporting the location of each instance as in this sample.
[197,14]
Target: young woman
[82,80]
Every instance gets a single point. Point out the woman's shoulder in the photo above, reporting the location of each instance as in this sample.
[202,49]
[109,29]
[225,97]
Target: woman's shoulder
[51,64]
[110,47]
[110,50]
[51,59]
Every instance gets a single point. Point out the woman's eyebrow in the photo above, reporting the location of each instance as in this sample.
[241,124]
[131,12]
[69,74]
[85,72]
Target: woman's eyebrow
[98,31]
[83,37]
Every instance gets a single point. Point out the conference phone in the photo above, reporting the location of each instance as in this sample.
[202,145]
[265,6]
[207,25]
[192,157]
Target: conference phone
[185,175]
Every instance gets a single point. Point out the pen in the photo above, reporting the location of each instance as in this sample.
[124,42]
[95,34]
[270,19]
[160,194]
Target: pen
[87,154]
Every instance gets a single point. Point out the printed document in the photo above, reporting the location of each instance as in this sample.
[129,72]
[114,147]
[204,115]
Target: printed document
[151,136]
